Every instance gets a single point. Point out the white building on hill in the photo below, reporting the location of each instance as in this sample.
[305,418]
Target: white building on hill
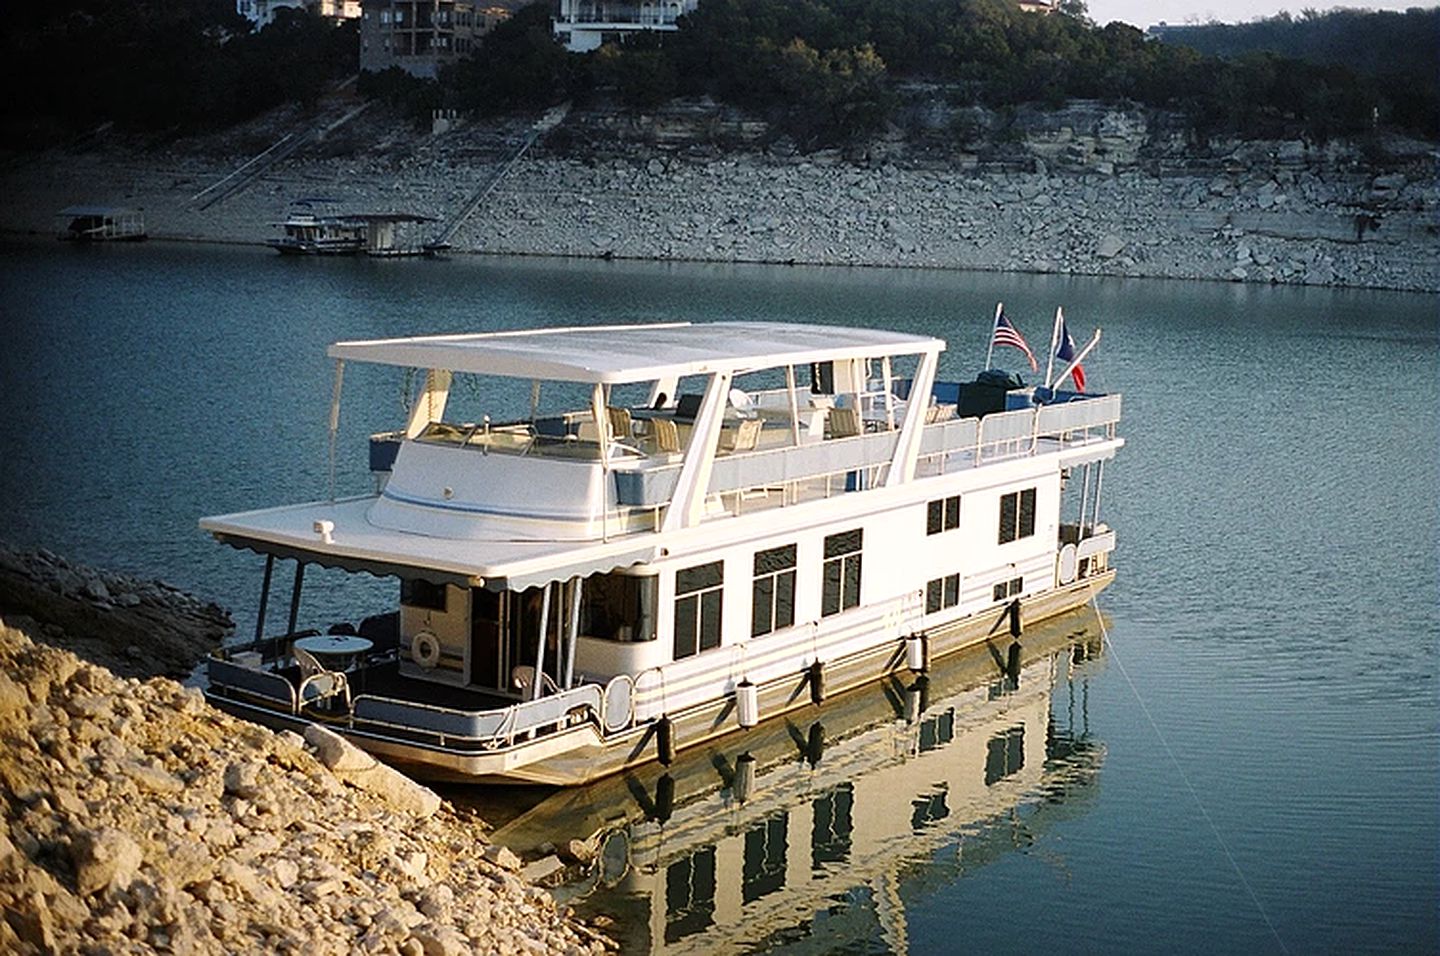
[585,24]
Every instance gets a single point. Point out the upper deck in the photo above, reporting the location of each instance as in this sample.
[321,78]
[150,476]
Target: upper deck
[723,429]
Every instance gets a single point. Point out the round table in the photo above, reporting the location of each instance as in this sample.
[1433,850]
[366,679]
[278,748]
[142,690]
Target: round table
[336,650]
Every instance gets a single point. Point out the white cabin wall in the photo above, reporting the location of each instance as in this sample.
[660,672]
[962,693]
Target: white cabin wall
[450,626]
[899,558]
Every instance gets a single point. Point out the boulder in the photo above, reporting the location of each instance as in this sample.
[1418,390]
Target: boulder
[364,772]
[105,859]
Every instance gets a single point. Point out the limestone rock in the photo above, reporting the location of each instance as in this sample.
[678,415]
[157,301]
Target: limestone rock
[105,859]
[502,857]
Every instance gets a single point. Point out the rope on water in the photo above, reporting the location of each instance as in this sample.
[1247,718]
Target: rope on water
[1184,777]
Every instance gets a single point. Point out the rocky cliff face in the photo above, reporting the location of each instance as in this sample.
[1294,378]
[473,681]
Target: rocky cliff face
[1089,189]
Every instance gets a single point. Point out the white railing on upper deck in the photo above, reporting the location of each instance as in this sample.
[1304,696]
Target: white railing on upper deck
[808,471]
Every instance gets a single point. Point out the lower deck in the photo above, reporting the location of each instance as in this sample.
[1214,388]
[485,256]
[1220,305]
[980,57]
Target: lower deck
[587,732]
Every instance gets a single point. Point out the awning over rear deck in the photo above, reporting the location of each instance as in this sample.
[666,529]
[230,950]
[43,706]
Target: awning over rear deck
[357,545]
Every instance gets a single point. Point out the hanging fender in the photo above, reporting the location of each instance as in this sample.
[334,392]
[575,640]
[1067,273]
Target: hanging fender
[665,740]
[817,683]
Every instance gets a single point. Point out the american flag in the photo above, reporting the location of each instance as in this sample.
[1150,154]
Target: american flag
[1007,334]
[1066,354]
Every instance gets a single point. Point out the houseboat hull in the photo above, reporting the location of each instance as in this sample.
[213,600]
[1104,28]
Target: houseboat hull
[582,753]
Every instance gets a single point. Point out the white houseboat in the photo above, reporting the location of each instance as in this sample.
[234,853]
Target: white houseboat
[648,536]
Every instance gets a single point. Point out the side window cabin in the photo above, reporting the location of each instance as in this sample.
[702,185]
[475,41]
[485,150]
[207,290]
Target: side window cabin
[1017,515]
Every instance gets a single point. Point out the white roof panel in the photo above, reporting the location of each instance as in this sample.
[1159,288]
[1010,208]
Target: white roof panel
[635,353]
[356,544]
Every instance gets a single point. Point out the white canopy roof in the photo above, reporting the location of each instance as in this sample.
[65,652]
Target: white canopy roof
[357,545]
[635,353]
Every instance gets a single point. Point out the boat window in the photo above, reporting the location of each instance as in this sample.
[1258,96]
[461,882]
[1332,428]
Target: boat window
[1017,515]
[841,572]
[773,595]
[1009,589]
[943,514]
[698,593]
[619,607]
[942,593]
[422,594]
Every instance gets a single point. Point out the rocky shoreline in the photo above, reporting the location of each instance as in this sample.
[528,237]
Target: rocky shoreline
[137,819]
[1105,195]
[131,626]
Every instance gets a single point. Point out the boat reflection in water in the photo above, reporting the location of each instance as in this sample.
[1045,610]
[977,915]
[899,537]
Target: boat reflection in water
[803,829]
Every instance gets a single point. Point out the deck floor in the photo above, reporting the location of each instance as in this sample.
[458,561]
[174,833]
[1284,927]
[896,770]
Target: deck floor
[385,680]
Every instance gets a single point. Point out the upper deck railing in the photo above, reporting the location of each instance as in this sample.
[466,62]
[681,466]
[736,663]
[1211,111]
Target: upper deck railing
[780,472]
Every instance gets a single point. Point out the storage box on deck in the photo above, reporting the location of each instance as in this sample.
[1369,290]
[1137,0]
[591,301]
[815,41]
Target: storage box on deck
[992,392]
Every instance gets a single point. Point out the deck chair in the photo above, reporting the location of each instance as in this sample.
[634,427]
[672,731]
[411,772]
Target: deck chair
[522,678]
[743,404]
[620,424]
[666,435]
[844,423]
[743,437]
[317,682]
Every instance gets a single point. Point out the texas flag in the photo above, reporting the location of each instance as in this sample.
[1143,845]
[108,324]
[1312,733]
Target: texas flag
[1066,354]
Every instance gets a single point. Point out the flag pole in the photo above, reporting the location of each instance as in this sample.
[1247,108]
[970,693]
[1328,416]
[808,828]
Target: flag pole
[1054,341]
[1079,358]
[990,353]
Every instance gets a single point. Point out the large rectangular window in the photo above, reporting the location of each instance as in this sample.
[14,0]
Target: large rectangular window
[841,572]
[619,607]
[698,593]
[943,514]
[1017,515]
[773,602]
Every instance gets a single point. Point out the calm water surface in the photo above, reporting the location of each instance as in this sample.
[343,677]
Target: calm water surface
[1267,710]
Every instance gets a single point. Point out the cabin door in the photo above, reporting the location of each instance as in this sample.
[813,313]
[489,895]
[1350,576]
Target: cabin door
[488,648]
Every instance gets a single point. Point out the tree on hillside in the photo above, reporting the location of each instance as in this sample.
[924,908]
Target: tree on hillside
[518,65]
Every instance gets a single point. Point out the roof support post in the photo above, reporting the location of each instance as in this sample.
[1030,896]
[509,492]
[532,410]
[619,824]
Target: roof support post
[573,638]
[907,447]
[602,436]
[794,404]
[687,504]
[295,596]
[335,420]
[1099,477]
[540,646]
[431,406]
[264,598]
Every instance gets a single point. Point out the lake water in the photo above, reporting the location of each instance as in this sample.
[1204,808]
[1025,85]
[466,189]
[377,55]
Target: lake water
[1252,765]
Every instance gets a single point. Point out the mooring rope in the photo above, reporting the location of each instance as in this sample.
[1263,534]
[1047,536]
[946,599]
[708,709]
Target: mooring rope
[1184,777]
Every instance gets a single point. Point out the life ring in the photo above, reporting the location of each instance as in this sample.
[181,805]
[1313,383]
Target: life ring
[425,649]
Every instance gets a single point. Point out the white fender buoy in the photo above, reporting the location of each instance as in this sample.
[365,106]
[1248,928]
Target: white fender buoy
[747,703]
[916,653]
[425,650]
